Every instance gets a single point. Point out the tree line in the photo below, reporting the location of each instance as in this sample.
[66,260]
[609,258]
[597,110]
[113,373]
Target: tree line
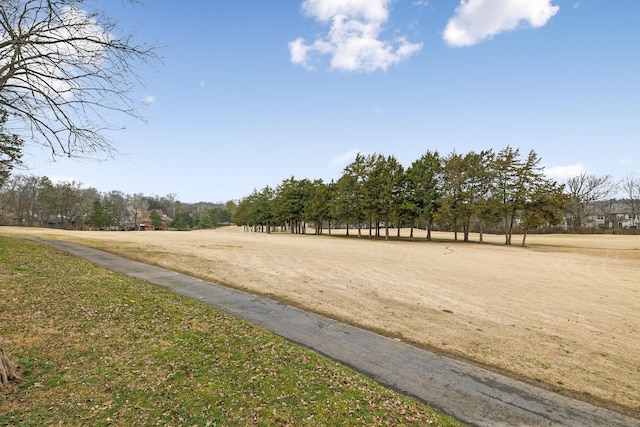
[36,201]
[501,190]
[483,191]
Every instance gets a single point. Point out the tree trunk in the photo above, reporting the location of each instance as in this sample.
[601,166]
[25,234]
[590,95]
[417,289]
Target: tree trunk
[7,369]
[510,233]
[506,230]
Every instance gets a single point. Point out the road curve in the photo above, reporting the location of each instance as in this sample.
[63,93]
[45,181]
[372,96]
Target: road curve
[471,394]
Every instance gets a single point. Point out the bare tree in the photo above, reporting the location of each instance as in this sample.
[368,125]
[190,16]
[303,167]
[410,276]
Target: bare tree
[138,205]
[586,191]
[64,71]
[22,194]
[117,202]
[631,187]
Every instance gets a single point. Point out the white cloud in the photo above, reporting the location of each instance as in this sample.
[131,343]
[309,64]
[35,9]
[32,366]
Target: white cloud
[149,99]
[344,158]
[562,173]
[478,20]
[353,40]
[55,74]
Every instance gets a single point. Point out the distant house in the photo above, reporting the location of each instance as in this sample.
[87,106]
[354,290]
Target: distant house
[145,223]
[622,220]
[614,214]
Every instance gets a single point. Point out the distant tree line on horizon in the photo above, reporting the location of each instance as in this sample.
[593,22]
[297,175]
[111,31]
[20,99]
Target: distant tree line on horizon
[502,191]
[30,200]
[499,192]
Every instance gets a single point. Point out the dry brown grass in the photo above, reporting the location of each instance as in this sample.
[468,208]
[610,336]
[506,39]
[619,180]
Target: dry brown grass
[562,312]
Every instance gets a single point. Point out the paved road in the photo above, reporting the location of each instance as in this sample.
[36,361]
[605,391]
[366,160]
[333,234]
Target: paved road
[468,393]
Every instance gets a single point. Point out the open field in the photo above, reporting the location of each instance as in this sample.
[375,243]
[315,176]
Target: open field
[562,312]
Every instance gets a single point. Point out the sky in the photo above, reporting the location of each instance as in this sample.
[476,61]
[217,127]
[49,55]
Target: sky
[250,93]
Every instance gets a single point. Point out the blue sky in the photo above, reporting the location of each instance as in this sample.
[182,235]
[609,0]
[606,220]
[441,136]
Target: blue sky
[253,92]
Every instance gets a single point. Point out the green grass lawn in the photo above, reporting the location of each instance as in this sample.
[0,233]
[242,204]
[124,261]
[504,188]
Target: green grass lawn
[98,348]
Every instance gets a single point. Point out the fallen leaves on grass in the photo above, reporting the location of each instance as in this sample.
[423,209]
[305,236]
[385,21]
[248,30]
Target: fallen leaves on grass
[98,348]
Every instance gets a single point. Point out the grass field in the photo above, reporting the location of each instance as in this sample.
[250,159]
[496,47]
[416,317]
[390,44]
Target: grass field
[561,313]
[98,348]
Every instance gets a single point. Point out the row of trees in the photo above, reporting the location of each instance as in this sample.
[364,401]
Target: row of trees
[36,201]
[457,192]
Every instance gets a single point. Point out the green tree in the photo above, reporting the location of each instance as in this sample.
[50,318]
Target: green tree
[118,212]
[453,203]
[183,221]
[544,205]
[345,202]
[45,200]
[320,206]
[517,184]
[291,204]
[98,217]
[256,212]
[156,219]
[477,190]
[422,190]
[68,204]
[216,215]
[383,187]
[229,210]
[262,209]
[10,149]
[206,220]
[467,183]
[507,175]
[353,190]
[241,215]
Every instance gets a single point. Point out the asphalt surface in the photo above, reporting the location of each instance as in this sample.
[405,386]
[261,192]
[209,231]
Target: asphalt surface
[468,393]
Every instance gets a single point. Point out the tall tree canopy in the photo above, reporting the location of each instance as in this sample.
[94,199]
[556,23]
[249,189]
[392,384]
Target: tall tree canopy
[466,191]
[64,70]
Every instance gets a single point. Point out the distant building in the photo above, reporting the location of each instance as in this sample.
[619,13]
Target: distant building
[614,214]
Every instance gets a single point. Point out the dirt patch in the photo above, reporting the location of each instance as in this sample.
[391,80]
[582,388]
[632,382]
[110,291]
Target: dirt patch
[561,312]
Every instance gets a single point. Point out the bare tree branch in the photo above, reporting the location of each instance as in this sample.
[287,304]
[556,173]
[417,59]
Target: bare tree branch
[65,70]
